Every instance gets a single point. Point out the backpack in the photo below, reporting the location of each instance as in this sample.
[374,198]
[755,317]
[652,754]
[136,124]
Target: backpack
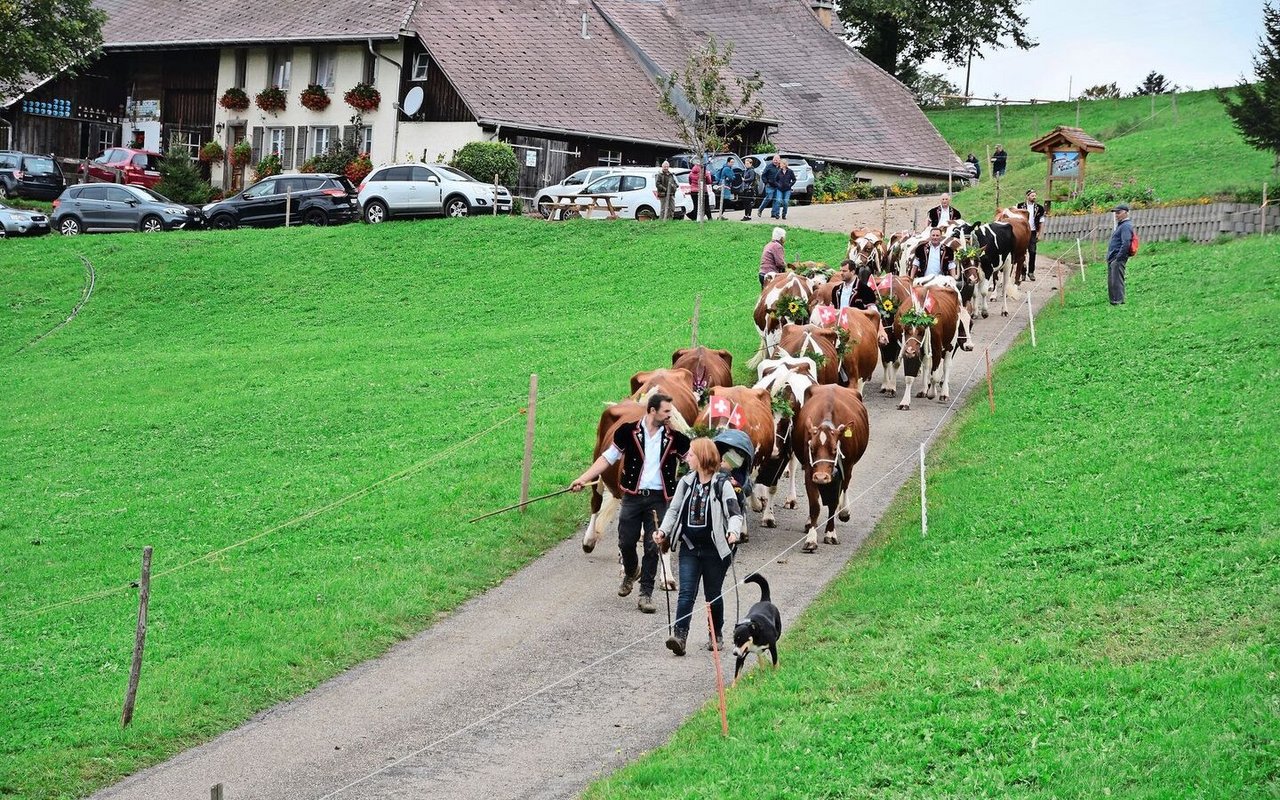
[737,184]
[1133,244]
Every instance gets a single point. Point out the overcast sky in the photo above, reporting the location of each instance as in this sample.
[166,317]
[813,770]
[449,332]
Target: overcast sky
[1088,42]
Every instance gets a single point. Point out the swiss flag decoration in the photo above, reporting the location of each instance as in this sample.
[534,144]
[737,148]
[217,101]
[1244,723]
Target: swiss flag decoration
[928,303]
[720,407]
[824,315]
[736,419]
[886,284]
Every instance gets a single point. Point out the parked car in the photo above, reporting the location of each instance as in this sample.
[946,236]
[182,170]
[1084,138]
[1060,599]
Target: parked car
[21,222]
[314,199]
[636,188]
[31,176]
[802,192]
[414,190]
[88,207]
[717,161]
[125,165]
[573,184]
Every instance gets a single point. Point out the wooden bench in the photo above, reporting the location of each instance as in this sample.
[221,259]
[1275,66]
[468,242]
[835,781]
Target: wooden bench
[584,204]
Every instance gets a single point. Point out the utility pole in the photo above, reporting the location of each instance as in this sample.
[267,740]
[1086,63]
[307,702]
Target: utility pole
[968,65]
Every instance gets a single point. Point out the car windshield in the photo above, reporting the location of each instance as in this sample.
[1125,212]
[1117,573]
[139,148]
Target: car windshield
[146,194]
[39,166]
[457,174]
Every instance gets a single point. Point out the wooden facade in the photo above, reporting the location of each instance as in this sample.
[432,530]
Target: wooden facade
[441,101]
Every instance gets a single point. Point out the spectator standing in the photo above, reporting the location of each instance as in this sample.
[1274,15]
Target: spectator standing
[972,160]
[782,188]
[726,177]
[1118,254]
[667,186]
[770,180]
[1035,218]
[773,259]
[998,161]
[749,165]
[698,180]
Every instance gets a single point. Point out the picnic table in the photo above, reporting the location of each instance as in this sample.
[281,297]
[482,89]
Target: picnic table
[584,204]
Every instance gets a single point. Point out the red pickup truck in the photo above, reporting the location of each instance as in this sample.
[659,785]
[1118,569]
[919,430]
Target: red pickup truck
[125,165]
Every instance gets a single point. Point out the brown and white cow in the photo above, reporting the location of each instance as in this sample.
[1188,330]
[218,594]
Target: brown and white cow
[768,323]
[830,436]
[676,384]
[868,248]
[861,329]
[928,347]
[710,368]
[812,340]
[785,379]
[897,289]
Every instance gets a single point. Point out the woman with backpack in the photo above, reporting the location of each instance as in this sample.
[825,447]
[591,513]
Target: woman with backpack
[705,518]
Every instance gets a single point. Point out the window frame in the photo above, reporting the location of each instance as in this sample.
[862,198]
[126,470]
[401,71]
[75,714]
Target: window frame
[280,65]
[315,151]
[270,145]
[610,158]
[421,69]
[324,56]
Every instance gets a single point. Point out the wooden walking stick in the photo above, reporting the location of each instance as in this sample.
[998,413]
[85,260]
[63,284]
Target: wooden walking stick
[530,501]
[665,591]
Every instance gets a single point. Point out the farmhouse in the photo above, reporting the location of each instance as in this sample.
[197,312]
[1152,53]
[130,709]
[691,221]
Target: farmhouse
[569,83]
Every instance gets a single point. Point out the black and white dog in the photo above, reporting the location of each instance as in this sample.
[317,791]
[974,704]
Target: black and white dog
[759,630]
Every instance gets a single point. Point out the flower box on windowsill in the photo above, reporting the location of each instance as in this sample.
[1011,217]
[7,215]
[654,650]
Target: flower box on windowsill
[362,97]
[315,98]
[272,99]
[234,99]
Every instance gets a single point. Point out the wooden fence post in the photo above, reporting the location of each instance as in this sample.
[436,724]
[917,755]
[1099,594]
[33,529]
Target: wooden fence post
[697,309]
[1262,219]
[991,392]
[495,194]
[1080,255]
[924,506]
[215,792]
[1031,316]
[528,441]
[884,211]
[139,638]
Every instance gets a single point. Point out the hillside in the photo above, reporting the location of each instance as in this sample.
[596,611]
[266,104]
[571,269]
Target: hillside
[1185,154]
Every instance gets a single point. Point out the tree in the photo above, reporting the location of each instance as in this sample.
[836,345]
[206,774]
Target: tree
[1255,110]
[707,113]
[44,38]
[180,179]
[898,34]
[1154,83]
[931,90]
[1103,91]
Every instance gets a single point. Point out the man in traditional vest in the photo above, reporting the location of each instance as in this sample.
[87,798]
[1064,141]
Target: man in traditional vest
[649,450]
[1035,218]
[943,214]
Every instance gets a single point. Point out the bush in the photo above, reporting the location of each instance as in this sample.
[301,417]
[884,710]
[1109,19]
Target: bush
[837,185]
[211,151]
[241,153]
[904,189]
[766,147]
[1101,196]
[181,180]
[359,167]
[481,160]
[267,167]
[336,159]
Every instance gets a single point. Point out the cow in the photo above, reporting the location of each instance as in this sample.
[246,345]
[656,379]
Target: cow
[928,347]
[815,342]
[606,494]
[867,248]
[831,432]
[768,323]
[973,281]
[745,409]
[676,384]
[786,379]
[902,257]
[998,243]
[892,292]
[1021,238]
[861,332]
[709,367]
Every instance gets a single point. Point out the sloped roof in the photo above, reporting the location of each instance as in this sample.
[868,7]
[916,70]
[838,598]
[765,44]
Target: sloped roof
[173,23]
[525,62]
[1063,134]
[833,102]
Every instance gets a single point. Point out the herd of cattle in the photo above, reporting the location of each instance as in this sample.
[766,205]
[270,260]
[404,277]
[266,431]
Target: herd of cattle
[804,414]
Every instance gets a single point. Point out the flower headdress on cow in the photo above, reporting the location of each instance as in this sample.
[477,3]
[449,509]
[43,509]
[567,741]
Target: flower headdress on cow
[917,318]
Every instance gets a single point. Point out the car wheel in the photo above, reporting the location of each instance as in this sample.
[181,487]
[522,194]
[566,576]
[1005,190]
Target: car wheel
[375,211]
[644,212]
[6,191]
[456,207]
[69,226]
[151,224]
[544,207]
[316,217]
[223,222]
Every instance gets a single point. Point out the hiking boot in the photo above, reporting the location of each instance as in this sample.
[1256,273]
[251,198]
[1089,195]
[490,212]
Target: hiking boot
[646,604]
[713,644]
[628,582]
[675,643]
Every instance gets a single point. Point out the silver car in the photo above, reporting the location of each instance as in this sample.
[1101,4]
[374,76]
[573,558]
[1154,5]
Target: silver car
[416,190]
[21,222]
[802,192]
[115,207]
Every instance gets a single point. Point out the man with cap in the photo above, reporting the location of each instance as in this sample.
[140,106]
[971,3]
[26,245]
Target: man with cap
[1118,254]
[1035,218]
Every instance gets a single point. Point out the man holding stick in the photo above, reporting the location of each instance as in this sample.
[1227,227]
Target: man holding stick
[649,450]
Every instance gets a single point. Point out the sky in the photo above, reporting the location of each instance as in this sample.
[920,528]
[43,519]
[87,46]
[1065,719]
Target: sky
[1088,42]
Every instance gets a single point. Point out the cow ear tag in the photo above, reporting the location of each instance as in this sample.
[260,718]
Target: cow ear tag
[848,433]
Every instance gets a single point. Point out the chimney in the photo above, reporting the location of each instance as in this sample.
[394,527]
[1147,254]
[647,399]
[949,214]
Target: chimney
[825,9]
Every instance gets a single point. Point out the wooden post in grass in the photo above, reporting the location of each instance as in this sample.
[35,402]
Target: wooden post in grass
[1031,315]
[715,656]
[697,309]
[884,211]
[288,207]
[915,219]
[1262,220]
[215,792]
[528,441]
[495,194]
[139,637]
[924,508]
[948,181]
[1080,255]
[1062,293]
[991,392]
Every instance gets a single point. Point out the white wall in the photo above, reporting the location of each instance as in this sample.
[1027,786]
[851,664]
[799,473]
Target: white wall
[426,141]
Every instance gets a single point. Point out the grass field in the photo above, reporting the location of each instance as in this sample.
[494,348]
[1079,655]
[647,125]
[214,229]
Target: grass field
[1096,609]
[217,386]
[1184,155]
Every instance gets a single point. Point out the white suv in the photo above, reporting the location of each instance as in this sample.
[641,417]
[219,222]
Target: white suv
[408,190]
[636,191]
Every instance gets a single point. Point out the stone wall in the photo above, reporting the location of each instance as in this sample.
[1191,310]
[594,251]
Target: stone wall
[1202,223]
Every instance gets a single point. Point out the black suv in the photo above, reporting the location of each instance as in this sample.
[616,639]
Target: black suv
[314,199]
[30,176]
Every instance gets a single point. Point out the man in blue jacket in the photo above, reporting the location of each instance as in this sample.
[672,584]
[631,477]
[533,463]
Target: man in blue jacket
[1118,254]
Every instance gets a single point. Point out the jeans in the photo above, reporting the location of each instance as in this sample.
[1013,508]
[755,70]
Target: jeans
[781,198]
[726,197]
[1115,280]
[767,200]
[704,563]
[635,523]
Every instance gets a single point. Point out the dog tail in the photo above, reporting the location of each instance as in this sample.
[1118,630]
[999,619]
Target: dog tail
[759,580]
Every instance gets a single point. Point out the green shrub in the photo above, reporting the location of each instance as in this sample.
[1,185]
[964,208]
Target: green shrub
[336,159]
[766,147]
[181,180]
[268,166]
[481,160]
[1101,196]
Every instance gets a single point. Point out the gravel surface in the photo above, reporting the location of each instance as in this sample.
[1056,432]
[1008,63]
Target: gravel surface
[549,681]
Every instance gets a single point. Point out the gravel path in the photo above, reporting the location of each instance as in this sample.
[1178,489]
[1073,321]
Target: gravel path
[549,681]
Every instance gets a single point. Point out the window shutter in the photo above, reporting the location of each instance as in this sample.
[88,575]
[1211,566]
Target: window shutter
[300,146]
[349,135]
[286,158]
[257,144]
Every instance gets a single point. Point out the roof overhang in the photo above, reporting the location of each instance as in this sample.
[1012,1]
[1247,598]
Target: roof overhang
[488,121]
[186,44]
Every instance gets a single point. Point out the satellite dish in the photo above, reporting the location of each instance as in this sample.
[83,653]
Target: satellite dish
[412,101]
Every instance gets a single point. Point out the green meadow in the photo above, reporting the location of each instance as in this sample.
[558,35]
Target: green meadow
[1186,151]
[1095,611]
[300,422]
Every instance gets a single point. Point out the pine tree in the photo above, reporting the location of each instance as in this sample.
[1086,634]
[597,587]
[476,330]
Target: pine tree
[1154,83]
[181,180]
[1255,109]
